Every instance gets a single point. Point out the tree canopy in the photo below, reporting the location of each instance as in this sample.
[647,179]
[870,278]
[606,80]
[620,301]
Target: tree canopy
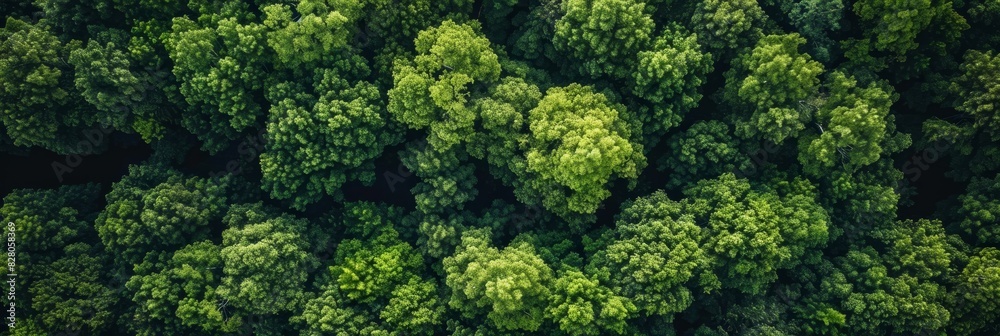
[500,167]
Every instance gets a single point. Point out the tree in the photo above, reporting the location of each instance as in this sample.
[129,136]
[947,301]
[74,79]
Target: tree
[532,39]
[447,180]
[314,149]
[401,21]
[855,128]
[155,209]
[75,18]
[979,211]
[655,257]
[414,308]
[51,218]
[860,201]
[727,24]
[752,234]
[894,26]
[369,269]
[816,20]
[905,37]
[977,293]
[219,62]
[511,286]
[705,150]
[47,224]
[374,283]
[267,258]
[603,36]
[969,148]
[579,142]
[130,101]
[876,302]
[916,248]
[760,315]
[504,115]
[137,12]
[40,105]
[983,17]
[321,28]
[582,306]
[669,75]
[432,92]
[182,297]
[977,90]
[439,236]
[330,313]
[770,83]
[72,296]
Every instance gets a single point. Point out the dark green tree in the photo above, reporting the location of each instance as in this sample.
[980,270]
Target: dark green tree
[979,211]
[73,294]
[705,150]
[977,293]
[316,147]
[40,105]
[155,209]
[267,257]
[727,24]
[182,296]
[655,257]
[669,75]
[219,61]
[603,36]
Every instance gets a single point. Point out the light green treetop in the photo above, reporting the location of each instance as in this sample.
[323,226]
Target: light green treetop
[510,286]
[579,143]
[771,82]
[433,91]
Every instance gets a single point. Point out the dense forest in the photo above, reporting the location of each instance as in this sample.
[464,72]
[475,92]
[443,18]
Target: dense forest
[500,167]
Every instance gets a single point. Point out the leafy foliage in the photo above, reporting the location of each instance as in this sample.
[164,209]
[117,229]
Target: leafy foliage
[316,148]
[727,24]
[152,209]
[423,98]
[578,143]
[655,257]
[603,34]
[771,82]
[510,286]
[669,75]
[219,61]
[267,258]
[38,95]
[582,306]
[462,167]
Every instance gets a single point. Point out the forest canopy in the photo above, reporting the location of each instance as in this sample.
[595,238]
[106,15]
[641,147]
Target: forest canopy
[501,167]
